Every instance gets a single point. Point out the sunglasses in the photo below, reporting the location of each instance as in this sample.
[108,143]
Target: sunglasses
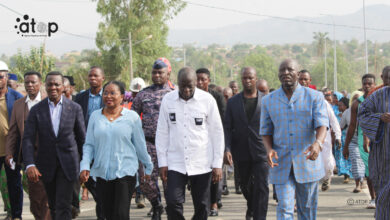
[2,77]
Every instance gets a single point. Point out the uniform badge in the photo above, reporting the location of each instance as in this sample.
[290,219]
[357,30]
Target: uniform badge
[198,121]
[172,117]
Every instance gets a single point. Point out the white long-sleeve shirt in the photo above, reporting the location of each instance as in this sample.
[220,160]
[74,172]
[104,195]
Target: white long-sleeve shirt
[327,156]
[189,137]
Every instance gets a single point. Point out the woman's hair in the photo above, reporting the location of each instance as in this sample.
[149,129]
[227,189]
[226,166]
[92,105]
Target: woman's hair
[345,101]
[120,85]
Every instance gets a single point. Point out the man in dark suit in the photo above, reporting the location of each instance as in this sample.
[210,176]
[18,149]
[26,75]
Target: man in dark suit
[36,191]
[91,100]
[59,125]
[245,146]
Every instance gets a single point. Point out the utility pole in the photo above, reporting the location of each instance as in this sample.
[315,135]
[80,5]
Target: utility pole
[326,62]
[335,58]
[131,57]
[184,56]
[365,37]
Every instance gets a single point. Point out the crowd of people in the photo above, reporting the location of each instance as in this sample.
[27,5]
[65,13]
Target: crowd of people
[116,144]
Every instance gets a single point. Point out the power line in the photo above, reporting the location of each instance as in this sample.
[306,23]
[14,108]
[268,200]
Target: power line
[283,18]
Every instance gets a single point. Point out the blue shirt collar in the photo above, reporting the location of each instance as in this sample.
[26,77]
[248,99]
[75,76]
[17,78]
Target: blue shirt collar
[92,95]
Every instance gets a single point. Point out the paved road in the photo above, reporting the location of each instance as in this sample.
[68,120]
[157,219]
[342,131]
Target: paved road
[337,203]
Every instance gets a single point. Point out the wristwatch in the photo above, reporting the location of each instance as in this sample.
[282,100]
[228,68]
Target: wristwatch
[319,143]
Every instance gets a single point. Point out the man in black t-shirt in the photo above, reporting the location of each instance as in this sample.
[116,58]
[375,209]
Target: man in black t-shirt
[203,81]
[244,145]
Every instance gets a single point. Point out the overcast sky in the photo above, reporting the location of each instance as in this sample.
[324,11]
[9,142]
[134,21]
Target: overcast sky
[80,16]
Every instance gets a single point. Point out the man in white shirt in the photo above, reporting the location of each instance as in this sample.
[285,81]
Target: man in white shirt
[190,145]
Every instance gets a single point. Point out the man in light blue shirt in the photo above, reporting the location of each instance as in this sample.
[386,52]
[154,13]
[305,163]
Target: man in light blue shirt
[294,122]
[91,100]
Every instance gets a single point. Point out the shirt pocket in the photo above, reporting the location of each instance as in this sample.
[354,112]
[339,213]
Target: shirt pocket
[172,116]
[198,120]
[305,119]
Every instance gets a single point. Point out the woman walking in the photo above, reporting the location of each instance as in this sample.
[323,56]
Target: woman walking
[115,142]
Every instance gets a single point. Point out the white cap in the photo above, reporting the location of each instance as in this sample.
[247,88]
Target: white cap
[137,84]
[3,66]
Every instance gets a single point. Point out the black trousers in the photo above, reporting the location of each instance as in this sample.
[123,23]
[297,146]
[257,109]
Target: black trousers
[116,196]
[91,186]
[254,186]
[15,190]
[76,194]
[215,192]
[200,192]
[236,176]
[60,194]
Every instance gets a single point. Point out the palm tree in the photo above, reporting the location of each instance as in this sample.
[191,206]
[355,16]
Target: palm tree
[320,39]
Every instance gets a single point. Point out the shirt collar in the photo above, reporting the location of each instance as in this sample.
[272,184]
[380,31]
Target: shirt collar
[195,96]
[52,103]
[100,93]
[38,98]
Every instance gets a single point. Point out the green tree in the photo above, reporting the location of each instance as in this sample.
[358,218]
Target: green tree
[141,18]
[319,40]
[346,78]
[264,64]
[35,60]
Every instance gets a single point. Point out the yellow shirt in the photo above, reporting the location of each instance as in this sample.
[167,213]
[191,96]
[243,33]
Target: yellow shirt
[3,125]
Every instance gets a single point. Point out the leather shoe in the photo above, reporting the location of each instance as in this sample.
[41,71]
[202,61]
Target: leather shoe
[249,215]
[213,212]
[238,190]
[157,211]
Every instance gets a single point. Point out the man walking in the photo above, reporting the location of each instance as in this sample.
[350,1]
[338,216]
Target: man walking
[91,100]
[293,126]
[37,194]
[245,146]
[59,125]
[189,143]
[147,102]
[8,96]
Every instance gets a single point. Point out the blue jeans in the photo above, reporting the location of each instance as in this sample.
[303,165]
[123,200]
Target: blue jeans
[306,195]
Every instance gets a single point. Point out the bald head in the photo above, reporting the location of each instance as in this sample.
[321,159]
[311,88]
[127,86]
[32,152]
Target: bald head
[227,93]
[187,82]
[288,73]
[386,76]
[248,69]
[262,86]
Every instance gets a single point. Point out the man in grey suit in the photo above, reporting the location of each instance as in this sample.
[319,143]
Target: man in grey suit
[58,123]
[243,143]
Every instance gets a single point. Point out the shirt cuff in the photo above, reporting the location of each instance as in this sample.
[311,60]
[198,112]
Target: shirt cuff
[31,165]
[162,162]
[84,166]
[217,163]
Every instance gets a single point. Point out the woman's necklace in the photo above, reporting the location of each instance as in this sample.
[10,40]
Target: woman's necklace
[114,116]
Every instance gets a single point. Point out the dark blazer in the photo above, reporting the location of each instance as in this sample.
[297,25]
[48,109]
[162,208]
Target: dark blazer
[82,99]
[242,137]
[63,150]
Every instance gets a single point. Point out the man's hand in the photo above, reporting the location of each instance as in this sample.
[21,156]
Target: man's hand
[84,176]
[385,117]
[338,144]
[33,174]
[366,144]
[164,174]
[7,158]
[272,154]
[217,175]
[346,152]
[228,158]
[313,150]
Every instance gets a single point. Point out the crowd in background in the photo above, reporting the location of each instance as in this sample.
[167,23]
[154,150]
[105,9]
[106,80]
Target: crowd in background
[115,144]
